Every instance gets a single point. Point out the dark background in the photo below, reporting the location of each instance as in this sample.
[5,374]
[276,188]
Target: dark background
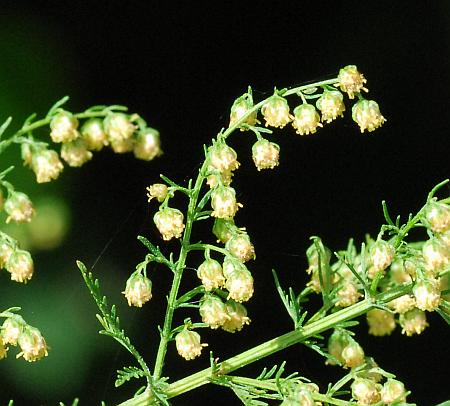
[181,65]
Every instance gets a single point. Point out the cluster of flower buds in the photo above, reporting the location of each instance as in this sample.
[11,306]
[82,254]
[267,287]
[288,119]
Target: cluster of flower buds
[305,118]
[369,392]
[16,261]
[15,331]
[116,129]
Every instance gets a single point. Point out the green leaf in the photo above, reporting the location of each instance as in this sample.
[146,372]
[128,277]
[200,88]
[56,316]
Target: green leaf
[56,106]
[127,374]
[444,315]
[5,125]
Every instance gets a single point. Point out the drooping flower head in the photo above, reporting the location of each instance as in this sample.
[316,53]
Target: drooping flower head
[331,105]
[276,111]
[351,81]
[188,344]
[94,134]
[265,154]
[64,127]
[169,222]
[46,164]
[138,290]
[147,145]
[306,119]
[366,114]
[19,208]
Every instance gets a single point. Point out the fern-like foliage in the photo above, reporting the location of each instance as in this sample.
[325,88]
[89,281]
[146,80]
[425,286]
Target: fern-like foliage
[127,374]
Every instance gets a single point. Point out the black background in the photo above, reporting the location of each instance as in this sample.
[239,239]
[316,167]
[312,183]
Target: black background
[180,65]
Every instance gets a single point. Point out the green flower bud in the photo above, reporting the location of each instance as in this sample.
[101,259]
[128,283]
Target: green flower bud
[188,344]
[157,191]
[351,81]
[366,114]
[19,208]
[224,229]
[393,391]
[336,344]
[11,331]
[381,322]
[381,255]
[239,285]
[64,127]
[6,249]
[276,111]
[436,256]
[94,134]
[169,222]
[147,145]
[75,153]
[122,146]
[436,216]
[306,119]
[240,107]
[427,294]
[353,354]
[138,290]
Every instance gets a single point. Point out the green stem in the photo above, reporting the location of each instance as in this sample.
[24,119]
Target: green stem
[178,273]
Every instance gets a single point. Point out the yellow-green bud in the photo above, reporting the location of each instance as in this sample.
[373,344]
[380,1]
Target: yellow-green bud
[6,249]
[222,157]
[427,294]
[138,290]
[11,331]
[366,114]
[19,208]
[75,153]
[46,165]
[94,134]
[188,344]
[365,391]
[393,391]
[223,202]
[213,311]
[351,81]
[122,146]
[224,229]
[331,105]
[32,344]
[147,144]
[398,272]
[381,322]
[211,275]
[237,314]
[218,178]
[336,343]
[348,293]
[413,322]
[306,119]
[265,154]
[276,111]
[157,191]
[20,266]
[436,255]
[118,127]
[64,127]
[402,304]
[169,222]
[239,245]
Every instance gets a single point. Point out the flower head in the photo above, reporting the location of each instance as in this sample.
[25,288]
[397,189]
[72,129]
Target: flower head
[436,255]
[118,127]
[437,216]
[276,111]
[427,294]
[157,191]
[213,311]
[122,145]
[240,108]
[239,245]
[138,290]
[188,344]
[413,322]
[222,157]
[366,114]
[224,229]
[94,135]
[239,285]
[147,145]
[351,81]
[169,222]
[19,208]
[6,249]
[223,202]
[353,354]
[20,266]
[46,165]
[265,154]
[365,391]
[11,331]
[381,322]
[331,105]
[306,119]
[75,153]
[32,344]
[64,127]
[402,304]
[348,293]
[237,314]
[211,275]
[381,255]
